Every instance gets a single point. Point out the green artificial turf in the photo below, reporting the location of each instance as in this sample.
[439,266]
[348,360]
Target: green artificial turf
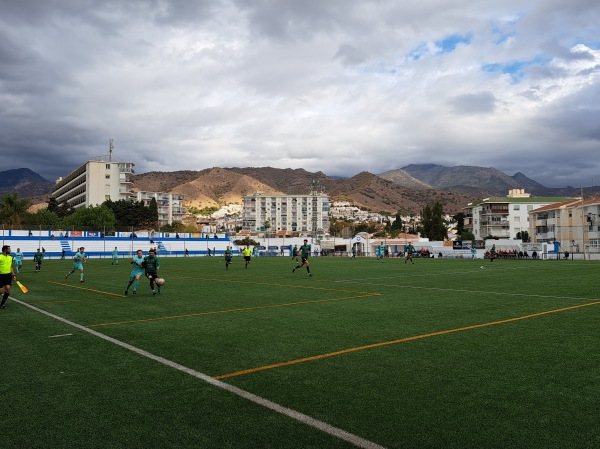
[440,353]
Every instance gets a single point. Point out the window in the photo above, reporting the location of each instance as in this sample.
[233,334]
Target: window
[108,166]
[517,219]
[529,207]
[107,176]
[516,207]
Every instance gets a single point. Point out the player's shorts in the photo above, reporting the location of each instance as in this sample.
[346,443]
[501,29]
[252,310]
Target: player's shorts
[152,275]
[304,259]
[38,262]
[228,259]
[78,265]
[136,272]
[6,279]
[247,258]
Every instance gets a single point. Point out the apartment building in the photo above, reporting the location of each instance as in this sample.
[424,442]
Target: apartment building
[95,182]
[287,213]
[170,205]
[504,217]
[575,224]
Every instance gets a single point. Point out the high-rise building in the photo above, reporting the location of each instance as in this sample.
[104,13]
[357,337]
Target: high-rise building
[95,182]
[289,213]
[504,217]
[99,180]
[170,205]
[574,224]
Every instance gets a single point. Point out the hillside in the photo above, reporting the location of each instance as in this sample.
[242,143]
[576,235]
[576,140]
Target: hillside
[378,194]
[218,186]
[26,183]
[404,179]
[458,178]
[288,180]
[408,189]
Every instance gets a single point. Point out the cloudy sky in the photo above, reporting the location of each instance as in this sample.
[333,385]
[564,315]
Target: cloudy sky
[339,86]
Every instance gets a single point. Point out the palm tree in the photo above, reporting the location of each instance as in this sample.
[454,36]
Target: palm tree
[13,209]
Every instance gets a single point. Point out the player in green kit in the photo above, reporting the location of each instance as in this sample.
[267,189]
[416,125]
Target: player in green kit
[78,260]
[136,271]
[228,257]
[152,265]
[409,253]
[304,253]
[37,258]
[295,253]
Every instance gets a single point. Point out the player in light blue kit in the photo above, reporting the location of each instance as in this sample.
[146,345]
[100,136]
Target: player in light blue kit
[115,257]
[18,259]
[78,260]
[136,272]
[380,252]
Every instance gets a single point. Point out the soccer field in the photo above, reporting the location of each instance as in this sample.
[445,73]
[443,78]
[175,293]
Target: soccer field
[439,353]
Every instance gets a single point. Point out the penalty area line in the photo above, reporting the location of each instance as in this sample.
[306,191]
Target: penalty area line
[298,416]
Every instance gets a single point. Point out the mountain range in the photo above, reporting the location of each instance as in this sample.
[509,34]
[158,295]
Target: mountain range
[407,189]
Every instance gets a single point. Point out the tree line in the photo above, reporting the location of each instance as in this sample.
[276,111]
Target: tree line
[109,216]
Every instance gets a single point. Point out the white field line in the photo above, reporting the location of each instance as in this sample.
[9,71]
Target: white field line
[460,290]
[61,335]
[470,270]
[301,417]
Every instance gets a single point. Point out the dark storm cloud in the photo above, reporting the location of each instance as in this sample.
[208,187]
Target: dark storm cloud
[576,117]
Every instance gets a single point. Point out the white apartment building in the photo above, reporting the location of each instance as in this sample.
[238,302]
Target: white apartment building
[288,213]
[575,224]
[170,205]
[504,217]
[95,182]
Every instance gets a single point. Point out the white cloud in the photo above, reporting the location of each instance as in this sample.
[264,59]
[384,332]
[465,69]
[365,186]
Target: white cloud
[337,86]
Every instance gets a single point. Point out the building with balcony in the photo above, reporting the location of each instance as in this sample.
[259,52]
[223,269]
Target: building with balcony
[95,182]
[574,224]
[504,217]
[170,205]
[286,214]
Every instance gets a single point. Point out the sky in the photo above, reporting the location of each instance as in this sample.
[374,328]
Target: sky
[338,86]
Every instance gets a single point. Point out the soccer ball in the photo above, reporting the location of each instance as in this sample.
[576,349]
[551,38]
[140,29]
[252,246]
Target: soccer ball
[160,281]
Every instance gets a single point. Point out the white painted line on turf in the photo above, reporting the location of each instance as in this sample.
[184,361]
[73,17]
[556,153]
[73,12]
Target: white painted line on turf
[301,417]
[61,335]
[459,290]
